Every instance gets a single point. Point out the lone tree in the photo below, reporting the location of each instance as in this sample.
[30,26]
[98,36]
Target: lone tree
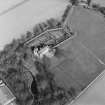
[88,2]
[74,2]
[96,6]
[102,10]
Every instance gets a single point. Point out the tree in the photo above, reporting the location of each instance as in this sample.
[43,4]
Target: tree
[18,84]
[72,92]
[34,88]
[36,30]
[74,2]
[102,10]
[45,26]
[41,27]
[52,23]
[88,2]
[59,24]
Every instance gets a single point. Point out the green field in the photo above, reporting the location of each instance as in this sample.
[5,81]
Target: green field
[90,28]
[77,67]
[82,58]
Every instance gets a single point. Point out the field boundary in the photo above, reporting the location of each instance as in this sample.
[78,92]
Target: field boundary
[13,7]
[92,82]
[84,90]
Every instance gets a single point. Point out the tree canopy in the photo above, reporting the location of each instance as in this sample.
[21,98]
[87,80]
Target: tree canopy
[74,2]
